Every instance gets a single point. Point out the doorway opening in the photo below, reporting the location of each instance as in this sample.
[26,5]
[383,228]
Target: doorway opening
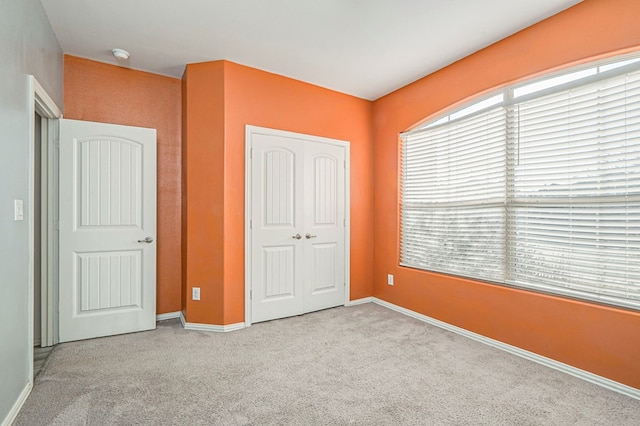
[40,350]
[42,225]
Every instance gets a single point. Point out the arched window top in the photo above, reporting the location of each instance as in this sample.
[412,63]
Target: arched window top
[537,87]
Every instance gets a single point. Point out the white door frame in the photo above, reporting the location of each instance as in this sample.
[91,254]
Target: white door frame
[42,103]
[249,132]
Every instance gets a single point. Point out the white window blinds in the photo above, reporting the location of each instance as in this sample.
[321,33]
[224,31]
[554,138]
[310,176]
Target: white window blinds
[575,201]
[453,181]
[542,194]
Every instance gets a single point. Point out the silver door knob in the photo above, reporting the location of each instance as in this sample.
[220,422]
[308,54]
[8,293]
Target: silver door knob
[147,240]
[297,236]
[309,236]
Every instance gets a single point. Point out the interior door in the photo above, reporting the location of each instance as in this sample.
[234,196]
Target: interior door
[324,227]
[297,225]
[277,227]
[107,228]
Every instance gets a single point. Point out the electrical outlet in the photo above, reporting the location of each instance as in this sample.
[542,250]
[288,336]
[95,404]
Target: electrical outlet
[390,279]
[195,293]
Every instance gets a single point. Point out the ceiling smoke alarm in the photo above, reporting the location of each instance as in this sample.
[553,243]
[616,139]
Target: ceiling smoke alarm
[120,54]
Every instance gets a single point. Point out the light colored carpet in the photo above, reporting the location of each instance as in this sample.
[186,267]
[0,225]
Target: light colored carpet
[363,365]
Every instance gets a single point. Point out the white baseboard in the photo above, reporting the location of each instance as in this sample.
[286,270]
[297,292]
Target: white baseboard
[548,362]
[210,327]
[13,413]
[168,316]
[359,301]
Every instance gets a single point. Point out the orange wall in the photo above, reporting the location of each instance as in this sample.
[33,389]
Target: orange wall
[94,91]
[203,202]
[599,339]
[263,99]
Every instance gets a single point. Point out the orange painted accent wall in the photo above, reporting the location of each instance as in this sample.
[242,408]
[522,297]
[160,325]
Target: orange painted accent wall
[268,100]
[599,339]
[203,196]
[95,91]
[263,99]
[183,188]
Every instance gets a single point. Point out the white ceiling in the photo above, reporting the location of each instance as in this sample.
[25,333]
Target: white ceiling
[365,48]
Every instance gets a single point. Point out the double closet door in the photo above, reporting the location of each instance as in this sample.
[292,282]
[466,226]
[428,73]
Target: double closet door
[297,224]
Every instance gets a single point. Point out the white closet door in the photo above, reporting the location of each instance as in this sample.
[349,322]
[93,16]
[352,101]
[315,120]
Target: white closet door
[107,229]
[324,227]
[277,227]
[297,224]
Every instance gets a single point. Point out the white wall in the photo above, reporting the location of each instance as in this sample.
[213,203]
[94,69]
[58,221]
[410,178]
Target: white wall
[27,46]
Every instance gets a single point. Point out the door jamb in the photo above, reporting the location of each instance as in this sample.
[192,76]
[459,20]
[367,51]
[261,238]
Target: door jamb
[249,132]
[41,102]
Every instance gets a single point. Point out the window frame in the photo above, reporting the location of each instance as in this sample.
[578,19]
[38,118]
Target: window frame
[603,70]
[509,91]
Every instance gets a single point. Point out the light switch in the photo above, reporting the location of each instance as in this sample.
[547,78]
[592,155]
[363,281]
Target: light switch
[18,210]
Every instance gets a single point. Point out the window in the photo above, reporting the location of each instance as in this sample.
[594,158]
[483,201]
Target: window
[537,186]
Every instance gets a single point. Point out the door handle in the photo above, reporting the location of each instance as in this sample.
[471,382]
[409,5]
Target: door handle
[309,236]
[297,236]
[147,240]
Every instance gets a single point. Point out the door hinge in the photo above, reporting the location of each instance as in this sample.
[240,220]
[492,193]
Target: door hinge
[251,294]
[251,153]
[250,223]
[344,164]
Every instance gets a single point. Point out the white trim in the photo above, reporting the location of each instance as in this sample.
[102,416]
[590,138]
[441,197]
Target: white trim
[347,223]
[360,301]
[44,105]
[40,102]
[547,362]
[210,327]
[49,296]
[249,131]
[168,316]
[13,413]
[247,225]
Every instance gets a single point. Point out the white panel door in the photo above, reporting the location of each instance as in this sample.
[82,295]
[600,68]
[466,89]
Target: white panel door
[297,225]
[324,213]
[107,229]
[277,222]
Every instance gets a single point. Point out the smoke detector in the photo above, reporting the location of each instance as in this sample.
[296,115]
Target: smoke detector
[120,54]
